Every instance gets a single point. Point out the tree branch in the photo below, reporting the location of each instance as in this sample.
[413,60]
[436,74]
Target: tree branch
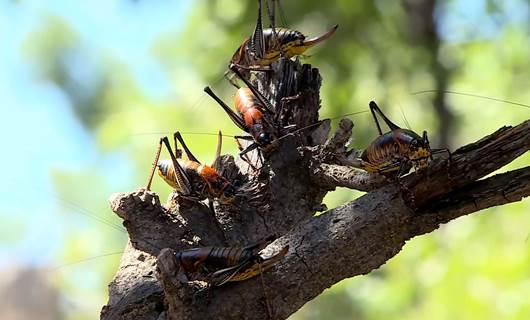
[360,237]
[332,175]
[282,198]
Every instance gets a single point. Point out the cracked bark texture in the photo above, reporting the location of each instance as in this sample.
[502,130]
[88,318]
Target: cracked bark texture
[282,198]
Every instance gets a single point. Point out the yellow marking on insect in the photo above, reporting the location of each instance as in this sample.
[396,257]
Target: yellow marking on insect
[167,178]
[420,153]
[296,50]
[248,273]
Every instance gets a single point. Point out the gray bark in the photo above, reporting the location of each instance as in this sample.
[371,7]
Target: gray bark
[282,199]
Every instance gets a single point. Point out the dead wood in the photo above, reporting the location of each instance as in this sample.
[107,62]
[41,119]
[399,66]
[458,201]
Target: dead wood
[282,198]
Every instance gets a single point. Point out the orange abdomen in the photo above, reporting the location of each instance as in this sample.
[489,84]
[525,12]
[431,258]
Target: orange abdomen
[247,105]
[208,173]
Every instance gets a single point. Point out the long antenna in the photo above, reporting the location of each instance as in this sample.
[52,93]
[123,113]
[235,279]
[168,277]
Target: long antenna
[319,122]
[88,213]
[86,260]
[182,132]
[403,116]
[471,95]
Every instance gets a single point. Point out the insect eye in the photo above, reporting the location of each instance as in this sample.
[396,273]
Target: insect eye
[265,138]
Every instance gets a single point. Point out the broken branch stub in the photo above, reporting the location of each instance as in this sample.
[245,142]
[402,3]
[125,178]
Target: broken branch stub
[281,199]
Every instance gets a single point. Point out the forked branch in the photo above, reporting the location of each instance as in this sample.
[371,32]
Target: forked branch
[282,199]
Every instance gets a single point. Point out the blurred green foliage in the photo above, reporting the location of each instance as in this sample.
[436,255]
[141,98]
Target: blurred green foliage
[473,268]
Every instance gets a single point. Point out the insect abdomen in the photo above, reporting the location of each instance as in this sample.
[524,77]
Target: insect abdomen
[166,170]
[381,149]
[227,256]
[248,106]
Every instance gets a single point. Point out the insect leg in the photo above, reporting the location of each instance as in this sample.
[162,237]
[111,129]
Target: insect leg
[180,175]
[229,75]
[155,163]
[216,162]
[404,167]
[374,108]
[257,41]
[256,67]
[238,121]
[178,136]
[266,104]
[242,154]
[272,18]
[248,149]
[364,165]
[449,159]
[389,168]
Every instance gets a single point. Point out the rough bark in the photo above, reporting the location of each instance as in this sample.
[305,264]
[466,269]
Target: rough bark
[282,198]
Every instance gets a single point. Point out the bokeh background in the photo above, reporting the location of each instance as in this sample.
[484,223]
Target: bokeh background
[88,87]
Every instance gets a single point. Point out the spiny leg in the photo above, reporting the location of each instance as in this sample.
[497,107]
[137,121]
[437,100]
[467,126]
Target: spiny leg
[155,164]
[236,118]
[374,108]
[373,105]
[178,136]
[272,18]
[261,98]
[180,175]
[255,67]
[257,41]
[243,151]
[216,162]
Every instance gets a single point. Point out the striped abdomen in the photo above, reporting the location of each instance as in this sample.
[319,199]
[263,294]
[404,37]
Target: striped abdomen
[248,106]
[212,257]
[287,40]
[218,186]
[277,42]
[388,149]
[166,170]
[223,257]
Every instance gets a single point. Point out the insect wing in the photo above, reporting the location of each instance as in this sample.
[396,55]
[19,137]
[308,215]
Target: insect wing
[220,277]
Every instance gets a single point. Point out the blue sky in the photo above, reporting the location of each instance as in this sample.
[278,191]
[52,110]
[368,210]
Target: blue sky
[41,132]
[39,128]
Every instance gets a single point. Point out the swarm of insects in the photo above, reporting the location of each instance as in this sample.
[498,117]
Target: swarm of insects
[392,154]
[256,116]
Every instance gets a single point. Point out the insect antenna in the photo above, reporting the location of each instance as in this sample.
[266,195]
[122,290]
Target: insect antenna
[198,100]
[68,264]
[319,122]
[87,213]
[96,217]
[471,95]
[404,117]
[271,11]
[161,133]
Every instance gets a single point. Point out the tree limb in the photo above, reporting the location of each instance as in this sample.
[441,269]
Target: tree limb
[282,199]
